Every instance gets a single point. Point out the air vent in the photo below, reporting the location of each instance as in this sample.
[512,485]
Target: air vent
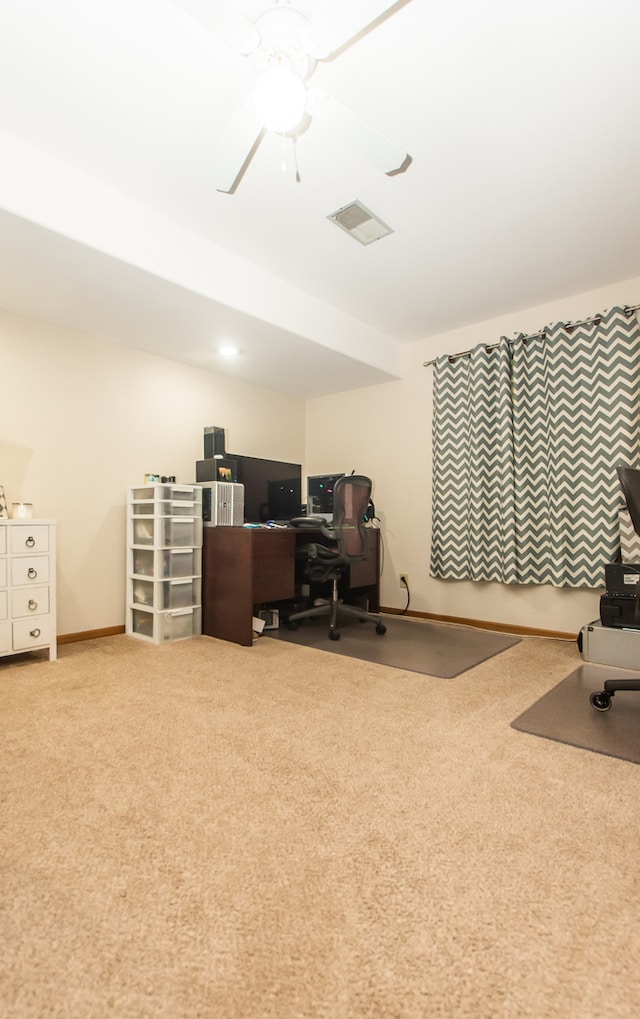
[360,223]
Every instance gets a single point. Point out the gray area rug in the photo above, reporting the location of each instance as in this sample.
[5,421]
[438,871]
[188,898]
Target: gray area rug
[417,646]
[565,715]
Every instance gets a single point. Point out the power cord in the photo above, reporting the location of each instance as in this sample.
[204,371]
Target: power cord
[405,583]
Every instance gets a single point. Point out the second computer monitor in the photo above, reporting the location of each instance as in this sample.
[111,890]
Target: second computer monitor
[320,494]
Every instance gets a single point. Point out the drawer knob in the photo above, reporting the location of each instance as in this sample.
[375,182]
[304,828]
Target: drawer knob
[32,573]
[30,542]
[34,633]
[32,604]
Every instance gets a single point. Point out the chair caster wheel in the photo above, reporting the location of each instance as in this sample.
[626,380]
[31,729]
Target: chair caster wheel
[334,635]
[601,701]
[291,625]
[381,628]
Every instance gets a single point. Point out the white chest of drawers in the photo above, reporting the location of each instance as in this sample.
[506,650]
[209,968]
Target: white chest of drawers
[27,586]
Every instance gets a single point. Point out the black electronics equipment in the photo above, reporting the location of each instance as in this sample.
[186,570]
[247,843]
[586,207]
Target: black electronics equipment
[272,488]
[216,469]
[622,579]
[620,606]
[620,611]
[214,442]
[320,493]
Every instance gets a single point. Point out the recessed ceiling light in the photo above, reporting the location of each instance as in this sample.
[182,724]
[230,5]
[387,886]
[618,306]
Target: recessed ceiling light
[228,351]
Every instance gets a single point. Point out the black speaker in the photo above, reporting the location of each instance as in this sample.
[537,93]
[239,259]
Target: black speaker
[213,442]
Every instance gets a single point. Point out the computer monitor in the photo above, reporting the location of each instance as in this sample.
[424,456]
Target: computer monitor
[320,494]
[272,488]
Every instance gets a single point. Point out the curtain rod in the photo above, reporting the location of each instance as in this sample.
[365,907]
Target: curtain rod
[534,336]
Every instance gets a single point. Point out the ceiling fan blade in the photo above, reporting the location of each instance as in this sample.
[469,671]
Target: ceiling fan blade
[236,145]
[336,24]
[225,21]
[357,132]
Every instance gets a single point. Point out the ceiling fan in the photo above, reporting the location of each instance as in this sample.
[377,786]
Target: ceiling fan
[285,39]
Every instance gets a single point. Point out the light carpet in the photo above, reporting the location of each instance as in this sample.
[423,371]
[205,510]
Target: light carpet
[435,649]
[204,831]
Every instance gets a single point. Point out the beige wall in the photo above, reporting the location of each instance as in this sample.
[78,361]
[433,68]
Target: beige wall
[385,432]
[82,420]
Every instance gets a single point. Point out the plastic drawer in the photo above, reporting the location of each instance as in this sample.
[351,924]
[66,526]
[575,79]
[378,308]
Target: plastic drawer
[179,624]
[166,563]
[180,532]
[166,594]
[166,508]
[144,531]
[142,562]
[170,493]
[167,532]
[181,562]
[146,493]
[173,625]
[142,623]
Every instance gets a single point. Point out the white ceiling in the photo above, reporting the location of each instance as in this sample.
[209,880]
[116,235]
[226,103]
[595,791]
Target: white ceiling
[521,117]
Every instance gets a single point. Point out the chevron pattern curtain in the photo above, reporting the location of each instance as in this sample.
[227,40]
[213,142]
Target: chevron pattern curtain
[549,432]
[473,528]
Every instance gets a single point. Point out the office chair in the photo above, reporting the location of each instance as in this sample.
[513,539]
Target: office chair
[349,545]
[630,481]
[601,699]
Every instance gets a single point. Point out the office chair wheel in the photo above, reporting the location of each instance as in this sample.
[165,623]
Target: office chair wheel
[381,628]
[334,635]
[601,700]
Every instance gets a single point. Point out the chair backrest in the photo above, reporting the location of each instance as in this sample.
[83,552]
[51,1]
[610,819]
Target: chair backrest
[351,495]
[630,482]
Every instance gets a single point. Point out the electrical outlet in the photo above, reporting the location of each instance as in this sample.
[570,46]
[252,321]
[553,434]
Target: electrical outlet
[404,580]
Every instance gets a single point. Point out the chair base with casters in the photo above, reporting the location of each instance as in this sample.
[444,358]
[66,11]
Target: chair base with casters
[601,699]
[325,564]
[629,478]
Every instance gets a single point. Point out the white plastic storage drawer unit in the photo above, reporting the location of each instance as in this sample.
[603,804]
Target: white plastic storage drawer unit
[164,562]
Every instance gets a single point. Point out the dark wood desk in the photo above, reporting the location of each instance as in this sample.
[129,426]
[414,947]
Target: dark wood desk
[245,568]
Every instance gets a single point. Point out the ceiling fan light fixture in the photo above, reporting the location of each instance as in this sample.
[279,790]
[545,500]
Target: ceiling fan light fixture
[280,98]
